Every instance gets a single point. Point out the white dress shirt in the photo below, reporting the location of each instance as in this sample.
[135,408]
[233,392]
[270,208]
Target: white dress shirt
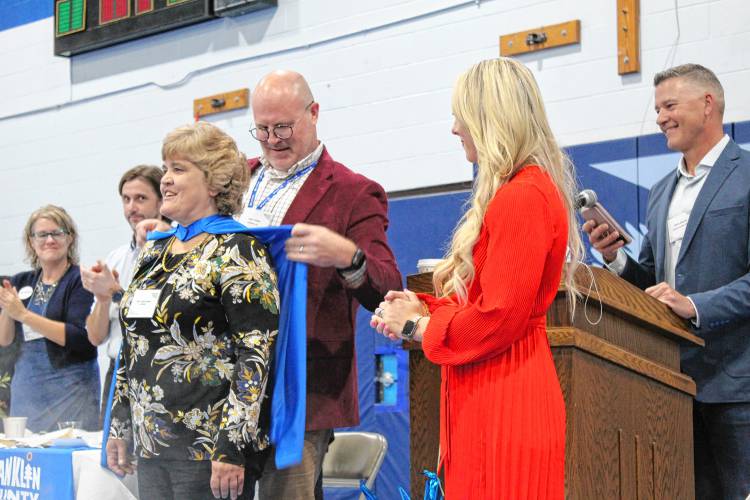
[683,199]
[276,207]
[122,260]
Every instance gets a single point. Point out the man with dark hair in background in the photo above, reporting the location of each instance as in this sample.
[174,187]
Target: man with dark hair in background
[141,200]
[695,259]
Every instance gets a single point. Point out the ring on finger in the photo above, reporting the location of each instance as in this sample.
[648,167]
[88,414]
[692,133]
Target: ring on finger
[301,248]
[379,312]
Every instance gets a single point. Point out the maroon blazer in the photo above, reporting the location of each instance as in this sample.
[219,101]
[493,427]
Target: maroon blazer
[356,207]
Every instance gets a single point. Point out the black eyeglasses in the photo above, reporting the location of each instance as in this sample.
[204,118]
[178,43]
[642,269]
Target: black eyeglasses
[282,131]
[57,235]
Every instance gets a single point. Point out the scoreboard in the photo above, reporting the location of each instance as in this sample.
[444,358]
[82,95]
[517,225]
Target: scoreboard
[84,25]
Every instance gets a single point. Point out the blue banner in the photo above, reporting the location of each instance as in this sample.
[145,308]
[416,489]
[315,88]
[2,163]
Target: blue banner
[36,474]
[17,12]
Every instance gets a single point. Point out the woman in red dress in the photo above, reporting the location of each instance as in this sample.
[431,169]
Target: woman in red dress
[502,432]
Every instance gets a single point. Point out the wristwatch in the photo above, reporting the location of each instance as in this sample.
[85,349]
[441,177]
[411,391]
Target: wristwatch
[357,260]
[117,296]
[410,328]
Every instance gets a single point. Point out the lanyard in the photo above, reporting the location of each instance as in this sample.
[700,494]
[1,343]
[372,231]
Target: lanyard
[281,186]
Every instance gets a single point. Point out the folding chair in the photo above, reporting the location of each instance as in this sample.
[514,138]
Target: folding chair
[351,457]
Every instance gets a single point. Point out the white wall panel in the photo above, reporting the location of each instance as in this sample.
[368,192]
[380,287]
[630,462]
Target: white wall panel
[170,58]
[31,77]
[382,72]
[694,22]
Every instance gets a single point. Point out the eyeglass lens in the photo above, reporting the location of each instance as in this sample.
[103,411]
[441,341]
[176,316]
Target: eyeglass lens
[57,235]
[281,132]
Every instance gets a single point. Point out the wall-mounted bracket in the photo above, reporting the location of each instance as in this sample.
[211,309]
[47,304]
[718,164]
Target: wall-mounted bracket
[544,37]
[228,101]
[628,37]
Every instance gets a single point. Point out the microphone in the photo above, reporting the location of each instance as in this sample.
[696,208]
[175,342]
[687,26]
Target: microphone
[585,199]
[590,208]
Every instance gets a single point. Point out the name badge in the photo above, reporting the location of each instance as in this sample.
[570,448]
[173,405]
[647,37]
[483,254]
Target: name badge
[29,334]
[676,227]
[25,292]
[252,217]
[143,304]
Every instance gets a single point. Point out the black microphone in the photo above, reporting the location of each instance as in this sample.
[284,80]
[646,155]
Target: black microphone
[585,199]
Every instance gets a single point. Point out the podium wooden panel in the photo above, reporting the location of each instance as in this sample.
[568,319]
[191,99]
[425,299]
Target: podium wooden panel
[629,409]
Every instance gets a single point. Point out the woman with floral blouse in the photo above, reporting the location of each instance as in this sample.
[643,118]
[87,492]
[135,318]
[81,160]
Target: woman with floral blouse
[199,323]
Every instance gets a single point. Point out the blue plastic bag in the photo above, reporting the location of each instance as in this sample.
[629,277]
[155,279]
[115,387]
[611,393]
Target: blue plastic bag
[433,490]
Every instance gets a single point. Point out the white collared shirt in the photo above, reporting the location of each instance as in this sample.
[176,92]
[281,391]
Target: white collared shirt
[122,260]
[681,205]
[685,193]
[276,208]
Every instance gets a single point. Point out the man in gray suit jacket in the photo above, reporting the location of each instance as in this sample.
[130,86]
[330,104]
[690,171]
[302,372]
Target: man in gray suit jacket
[696,259]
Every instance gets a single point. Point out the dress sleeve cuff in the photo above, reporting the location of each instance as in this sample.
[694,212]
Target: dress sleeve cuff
[354,279]
[617,266]
[697,320]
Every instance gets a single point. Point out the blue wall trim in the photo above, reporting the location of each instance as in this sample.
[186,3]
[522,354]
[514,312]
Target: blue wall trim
[18,12]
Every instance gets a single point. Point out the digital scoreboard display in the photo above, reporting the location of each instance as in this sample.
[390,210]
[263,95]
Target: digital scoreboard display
[84,25]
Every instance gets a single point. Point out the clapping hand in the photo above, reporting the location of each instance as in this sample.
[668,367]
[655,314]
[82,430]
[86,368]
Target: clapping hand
[100,280]
[10,303]
[146,226]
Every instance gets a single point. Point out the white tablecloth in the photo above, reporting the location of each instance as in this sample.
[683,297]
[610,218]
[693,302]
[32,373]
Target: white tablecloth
[93,482]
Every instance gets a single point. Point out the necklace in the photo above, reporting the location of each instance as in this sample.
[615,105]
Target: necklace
[167,250]
[42,292]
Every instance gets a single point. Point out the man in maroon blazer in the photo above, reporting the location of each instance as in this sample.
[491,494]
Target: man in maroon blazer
[340,219]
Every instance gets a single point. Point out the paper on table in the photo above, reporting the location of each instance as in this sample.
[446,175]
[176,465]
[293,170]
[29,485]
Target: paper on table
[32,440]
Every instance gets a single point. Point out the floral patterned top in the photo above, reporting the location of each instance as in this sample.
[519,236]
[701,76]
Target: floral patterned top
[193,380]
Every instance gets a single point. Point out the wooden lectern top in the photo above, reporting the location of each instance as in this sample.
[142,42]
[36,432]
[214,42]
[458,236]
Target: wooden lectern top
[613,292]
[635,330]
[630,301]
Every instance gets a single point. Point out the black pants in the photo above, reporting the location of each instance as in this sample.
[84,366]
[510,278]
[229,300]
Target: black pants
[250,480]
[174,479]
[721,433]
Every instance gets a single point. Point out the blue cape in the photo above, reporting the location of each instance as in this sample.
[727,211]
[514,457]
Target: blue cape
[290,361]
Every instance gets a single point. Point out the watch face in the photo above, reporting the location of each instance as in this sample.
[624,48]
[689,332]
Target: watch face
[358,258]
[117,297]
[409,329]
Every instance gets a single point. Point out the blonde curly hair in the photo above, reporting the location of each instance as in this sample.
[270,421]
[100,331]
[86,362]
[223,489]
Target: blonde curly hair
[216,154]
[499,103]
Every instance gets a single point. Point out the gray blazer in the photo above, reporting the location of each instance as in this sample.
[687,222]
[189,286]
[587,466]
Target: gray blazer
[713,269]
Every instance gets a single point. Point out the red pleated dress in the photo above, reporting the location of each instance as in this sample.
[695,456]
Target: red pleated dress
[502,420]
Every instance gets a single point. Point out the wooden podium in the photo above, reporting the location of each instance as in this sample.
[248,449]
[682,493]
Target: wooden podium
[629,428]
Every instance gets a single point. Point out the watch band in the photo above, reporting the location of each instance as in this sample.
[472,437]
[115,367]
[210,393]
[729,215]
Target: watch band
[410,328]
[357,260]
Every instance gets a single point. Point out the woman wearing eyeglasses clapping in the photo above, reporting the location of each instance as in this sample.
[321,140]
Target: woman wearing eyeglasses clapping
[44,310]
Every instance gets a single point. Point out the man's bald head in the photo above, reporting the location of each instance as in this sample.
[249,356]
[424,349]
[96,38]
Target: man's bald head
[283,102]
[284,84]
